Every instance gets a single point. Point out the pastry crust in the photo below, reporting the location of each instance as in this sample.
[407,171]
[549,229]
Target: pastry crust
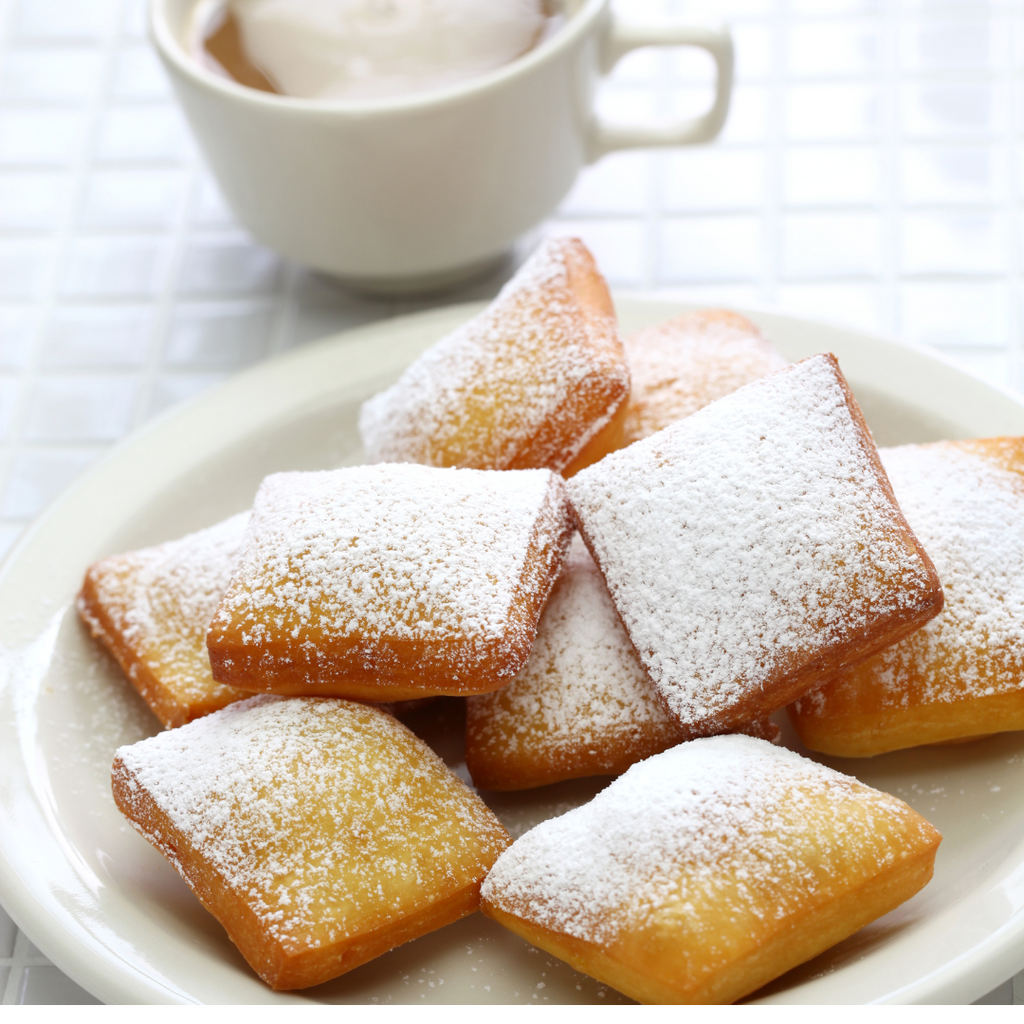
[706,871]
[581,706]
[962,674]
[537,381]
[151,609]
[320,833]
[688,362]
[391,582]
[755,548]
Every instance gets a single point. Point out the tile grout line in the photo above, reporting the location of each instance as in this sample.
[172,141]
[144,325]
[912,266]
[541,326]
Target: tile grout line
[890,307]
[656,175]
[19,962]
[771,240]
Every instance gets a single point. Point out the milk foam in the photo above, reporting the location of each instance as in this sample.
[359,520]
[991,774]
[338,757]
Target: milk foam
[365,49]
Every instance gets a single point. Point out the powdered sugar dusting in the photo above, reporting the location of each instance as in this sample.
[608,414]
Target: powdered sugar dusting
[325,816]
[392,551]
[730,823]
[751,535]
[680,366]
[505,390]
[583,696]
[161,601]
[968,512]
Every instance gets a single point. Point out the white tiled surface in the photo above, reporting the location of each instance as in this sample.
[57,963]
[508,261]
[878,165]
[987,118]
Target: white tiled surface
[871,172]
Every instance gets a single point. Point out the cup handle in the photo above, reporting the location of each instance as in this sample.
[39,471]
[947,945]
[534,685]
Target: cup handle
[623,37]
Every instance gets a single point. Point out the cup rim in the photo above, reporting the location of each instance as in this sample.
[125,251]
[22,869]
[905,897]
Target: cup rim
[172,51]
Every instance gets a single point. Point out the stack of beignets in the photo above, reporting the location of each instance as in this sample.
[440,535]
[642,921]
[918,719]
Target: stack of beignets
[755,548]
[962,674]
[537,380]
[391,582]
[320,833]
[736,558]
[708,870]
[151,609]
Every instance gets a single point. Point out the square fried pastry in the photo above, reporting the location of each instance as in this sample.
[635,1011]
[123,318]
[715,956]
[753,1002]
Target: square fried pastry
[320,833]
[962,674]
[537,381]
[391,582]
[151,609]
[582,705]
[708,870]
[684,364]
[755,547]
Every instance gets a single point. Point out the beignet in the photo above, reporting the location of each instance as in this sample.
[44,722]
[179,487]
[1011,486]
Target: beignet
[320,833]
[754,547]
[680,366]
[962,674]
[151,609]
[582,705]
[391,582]
[710,869]
[537,380]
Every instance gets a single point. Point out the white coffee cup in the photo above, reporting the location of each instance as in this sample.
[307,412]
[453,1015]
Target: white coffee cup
[421,191]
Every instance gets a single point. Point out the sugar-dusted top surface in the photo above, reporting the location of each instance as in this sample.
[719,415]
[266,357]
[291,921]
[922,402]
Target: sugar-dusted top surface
[583,687]
[680,366]
[161,600]
[749,536]
[326,817]
[391,550]
[968,511]
[708,833]
[519,381]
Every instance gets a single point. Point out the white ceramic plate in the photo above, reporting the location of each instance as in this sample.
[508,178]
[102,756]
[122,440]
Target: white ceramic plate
[108,910]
